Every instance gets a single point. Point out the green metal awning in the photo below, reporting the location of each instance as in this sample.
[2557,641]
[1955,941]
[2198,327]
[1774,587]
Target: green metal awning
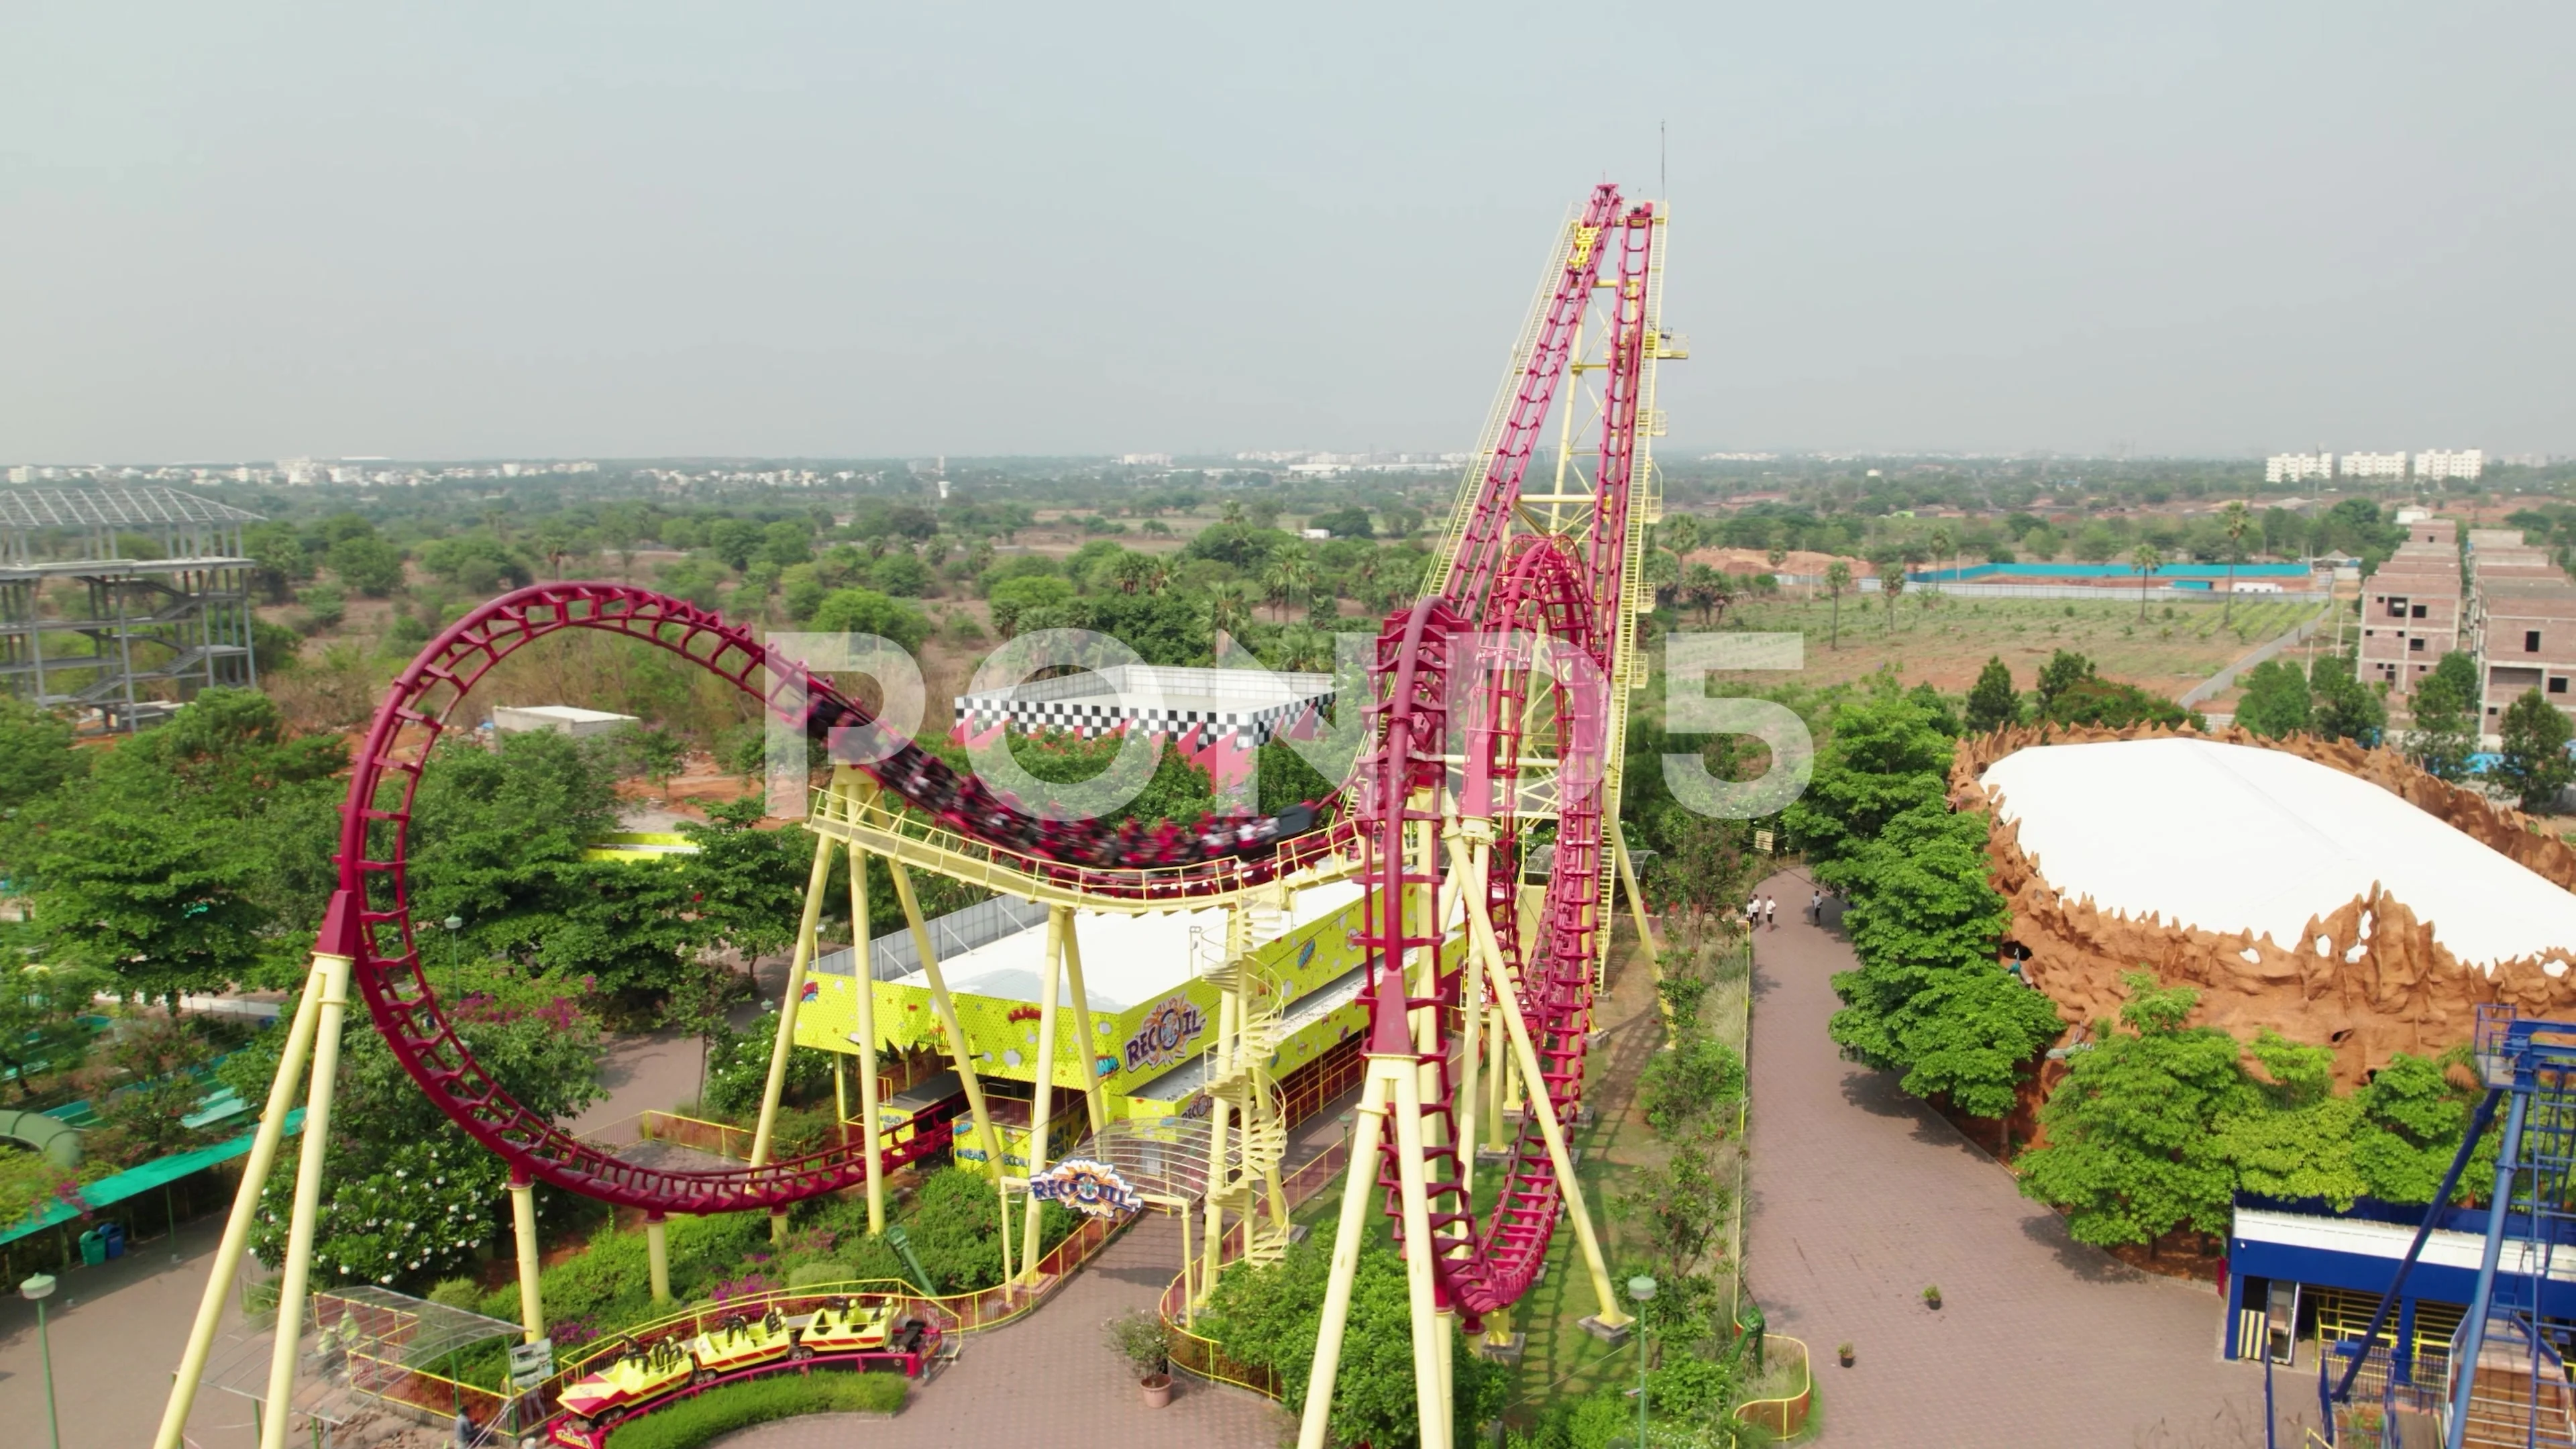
[160,1172]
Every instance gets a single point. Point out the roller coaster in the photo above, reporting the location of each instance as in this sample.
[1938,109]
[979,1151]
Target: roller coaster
[1505,682]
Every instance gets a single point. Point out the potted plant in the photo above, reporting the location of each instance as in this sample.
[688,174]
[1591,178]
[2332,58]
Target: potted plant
[1843,1351]
[1932,1297]
[1142,1340]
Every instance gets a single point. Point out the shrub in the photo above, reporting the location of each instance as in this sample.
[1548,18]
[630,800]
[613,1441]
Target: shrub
[457,1293]
[813,1273]
[1688,1082]
[693,1422]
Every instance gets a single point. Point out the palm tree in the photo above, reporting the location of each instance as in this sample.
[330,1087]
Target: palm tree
[1681,533]
[1709,588]
[1891,584]
[1228,607]
[1291,575]
[1838,577]
[1130,571]
[2237,522]
[2146,558]
[1945,544]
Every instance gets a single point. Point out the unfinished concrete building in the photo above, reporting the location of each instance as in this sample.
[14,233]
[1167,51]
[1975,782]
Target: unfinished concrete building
[2525,628]
[122,603]
[2411,608]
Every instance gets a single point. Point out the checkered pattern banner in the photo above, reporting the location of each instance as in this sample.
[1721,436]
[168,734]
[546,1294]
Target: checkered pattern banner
[1092,718]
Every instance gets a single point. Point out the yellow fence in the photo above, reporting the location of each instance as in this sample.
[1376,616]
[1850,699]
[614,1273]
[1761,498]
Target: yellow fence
[952,1313]
[718,1139]
[1786,1417]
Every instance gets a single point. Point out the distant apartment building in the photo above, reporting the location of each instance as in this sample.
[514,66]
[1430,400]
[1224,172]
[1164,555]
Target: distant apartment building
[2526,624]
[2297,467]
[2374,465]
[2464,464]
[2411,608]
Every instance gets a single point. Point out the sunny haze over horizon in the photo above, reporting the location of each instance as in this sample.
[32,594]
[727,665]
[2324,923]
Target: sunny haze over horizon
[640,230]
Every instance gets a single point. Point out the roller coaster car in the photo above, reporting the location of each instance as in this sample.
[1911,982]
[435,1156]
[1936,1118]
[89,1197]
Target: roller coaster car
[845,1326]
[739,1342]
[637,1376]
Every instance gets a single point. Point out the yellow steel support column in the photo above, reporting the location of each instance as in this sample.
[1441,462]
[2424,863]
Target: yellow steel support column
[1189,1271]
[523,1220]
[946,1008]
[332,983]
[1359,1184]
[1636,897]
[1085,1041]
[863,948]
[1042,1100]
[1481,932]
[1470,1053]
[236,1239]
[817,881]
[1229,1014]
[1431,1391]
[657,1255]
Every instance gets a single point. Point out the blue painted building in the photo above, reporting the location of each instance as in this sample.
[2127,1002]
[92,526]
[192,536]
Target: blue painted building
[2300,1270]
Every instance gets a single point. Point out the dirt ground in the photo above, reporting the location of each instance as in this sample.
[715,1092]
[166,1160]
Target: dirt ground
[1947,640]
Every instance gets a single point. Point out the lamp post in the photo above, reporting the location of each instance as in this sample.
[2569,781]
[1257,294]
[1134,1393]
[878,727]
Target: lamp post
[1642,1289]
[38,1289]
[453,924]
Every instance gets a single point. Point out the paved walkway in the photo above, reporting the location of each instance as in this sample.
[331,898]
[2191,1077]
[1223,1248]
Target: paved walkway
[1862,1196]
[1052,1379]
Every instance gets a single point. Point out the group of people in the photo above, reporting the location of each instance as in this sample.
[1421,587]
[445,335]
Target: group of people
[1762,910]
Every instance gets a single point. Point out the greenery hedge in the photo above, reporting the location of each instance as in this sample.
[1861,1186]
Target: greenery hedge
[693,1422]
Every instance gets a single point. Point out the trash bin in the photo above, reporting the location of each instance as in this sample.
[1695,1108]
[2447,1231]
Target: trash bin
[113,1235]
[93,1248]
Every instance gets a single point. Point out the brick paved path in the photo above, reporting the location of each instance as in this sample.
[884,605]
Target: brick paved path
[1051,1379]
[1862,1196]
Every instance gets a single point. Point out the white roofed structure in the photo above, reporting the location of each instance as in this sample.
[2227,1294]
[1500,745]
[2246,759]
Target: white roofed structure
[2232,838]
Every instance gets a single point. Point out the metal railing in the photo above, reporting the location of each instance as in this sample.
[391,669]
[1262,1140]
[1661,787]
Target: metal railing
[1785,1416]
[975,1312]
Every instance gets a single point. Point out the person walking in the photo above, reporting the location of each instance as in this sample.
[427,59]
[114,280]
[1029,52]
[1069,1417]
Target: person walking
[1753,911]
[1815,908]
[1771,911]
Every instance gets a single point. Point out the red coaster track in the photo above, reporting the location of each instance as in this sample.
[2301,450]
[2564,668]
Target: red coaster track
[1465,651]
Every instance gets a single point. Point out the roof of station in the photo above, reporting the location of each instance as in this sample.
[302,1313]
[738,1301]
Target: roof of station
[2241,838]
[111,508]
[1126,960]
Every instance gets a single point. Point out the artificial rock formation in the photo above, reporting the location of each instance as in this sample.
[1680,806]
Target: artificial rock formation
[2367,979]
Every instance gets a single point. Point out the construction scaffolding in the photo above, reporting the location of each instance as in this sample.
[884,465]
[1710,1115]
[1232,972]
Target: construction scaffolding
[86,626]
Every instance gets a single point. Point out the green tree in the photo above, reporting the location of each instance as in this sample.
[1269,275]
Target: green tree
[1838,580]
[1886,756]
[2235,521]
[2533,765]
[2133,1147]
[173,860]
[2063,671]
[736,541]
[1011,598]
[36,754]
[2445,709]
[865,611]
[2093,700]
[1270,1316]
[1992,703]
[2345,708]
[747,884]
[2275,702]
[2146,558]
[368,564]
[1891,584]
[412,1194]
[1928,998]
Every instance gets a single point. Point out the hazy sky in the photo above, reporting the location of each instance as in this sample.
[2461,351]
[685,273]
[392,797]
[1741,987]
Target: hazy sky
[476,230]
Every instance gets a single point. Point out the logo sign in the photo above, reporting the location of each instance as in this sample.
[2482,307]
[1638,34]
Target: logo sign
[1762,841]
[532,1363]
[1093,1189]
[1169,1027]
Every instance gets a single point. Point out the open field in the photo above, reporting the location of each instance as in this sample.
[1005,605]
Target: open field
[1947,640]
